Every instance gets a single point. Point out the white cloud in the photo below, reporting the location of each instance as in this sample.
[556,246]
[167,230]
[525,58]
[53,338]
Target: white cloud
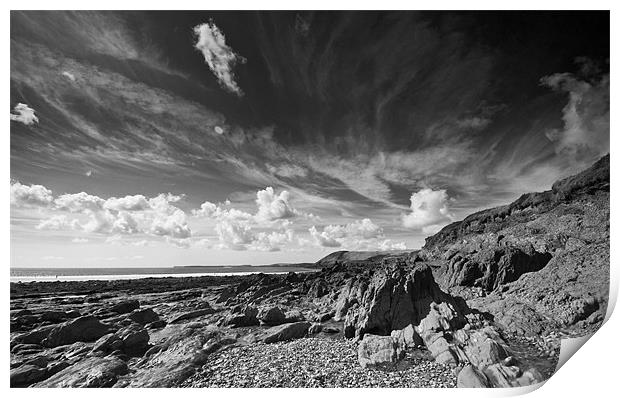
[24,114]
[219,56]
[58,222]
[68,75]
[125,223]
[271,241]
[79,202]
[388,244]
[234,234]
[323,238]
[429,210]
[273,207]
[129,202]
[79,240]
[365,229]
[131,214]
[353,235]
[173,225]
[30,196]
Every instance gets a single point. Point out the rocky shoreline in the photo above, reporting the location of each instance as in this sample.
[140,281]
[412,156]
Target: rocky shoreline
[483,304]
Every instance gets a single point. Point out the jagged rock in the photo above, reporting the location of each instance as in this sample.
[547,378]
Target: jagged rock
[134,341]
[144,316]
[226,294]
[108,343]
[288,331]
[397,296]
[35,336]
[90,372]
[324,317]
[484,347]
[125,307]
[247,317]
[318,289]
[471,377]
[192,314]
[378,351]
[53,316]
[294,316]
[511,376]
[406,337]
[157,324]
[315,328]
[26,375]
[177,358]
[23,347]
[272,316]
[86,328]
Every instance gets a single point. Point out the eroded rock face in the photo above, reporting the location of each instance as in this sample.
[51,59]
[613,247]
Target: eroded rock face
[244,317]
[85,328]
[393,297]
[378,351]
[471,377]
[27,374]
[178,357]
[90,372]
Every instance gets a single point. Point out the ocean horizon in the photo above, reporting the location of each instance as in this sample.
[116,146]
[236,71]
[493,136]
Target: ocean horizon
[49,274]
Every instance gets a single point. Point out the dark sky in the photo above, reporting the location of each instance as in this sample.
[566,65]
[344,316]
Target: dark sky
[351,113]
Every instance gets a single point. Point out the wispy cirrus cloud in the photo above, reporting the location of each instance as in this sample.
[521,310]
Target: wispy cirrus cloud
[221,59]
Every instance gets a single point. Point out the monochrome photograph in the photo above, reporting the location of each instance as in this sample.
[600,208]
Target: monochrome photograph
[306,199]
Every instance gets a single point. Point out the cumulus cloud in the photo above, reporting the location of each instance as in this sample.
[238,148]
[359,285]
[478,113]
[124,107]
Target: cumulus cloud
[173,225]
[323,238]
[234,235]
[79,240]
[218,55]
[78,202]
[129,202]
[586,115]
[24,114]
[30,195]
[58,222]
[131,214]
[429,211]
[236,229]
[273,241]
[358,235]
[273,207]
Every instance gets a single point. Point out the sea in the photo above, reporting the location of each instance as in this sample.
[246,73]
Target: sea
[85,274]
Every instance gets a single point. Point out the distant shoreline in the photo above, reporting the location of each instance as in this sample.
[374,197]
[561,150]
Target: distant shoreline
[26,275]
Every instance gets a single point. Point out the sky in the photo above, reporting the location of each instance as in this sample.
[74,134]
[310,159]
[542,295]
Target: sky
[214,138]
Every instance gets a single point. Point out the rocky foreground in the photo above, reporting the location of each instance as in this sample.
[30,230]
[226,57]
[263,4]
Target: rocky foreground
[483,304]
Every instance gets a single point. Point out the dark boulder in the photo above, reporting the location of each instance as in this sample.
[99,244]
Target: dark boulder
[288,331]
[144,316]
[86,328]
[126,306]
[26,375]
